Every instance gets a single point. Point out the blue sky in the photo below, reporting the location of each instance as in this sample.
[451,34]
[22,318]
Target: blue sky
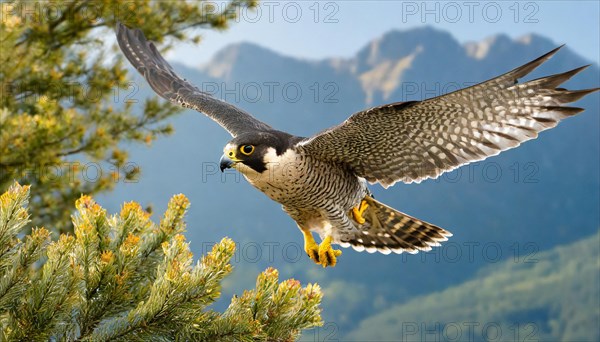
[319,29]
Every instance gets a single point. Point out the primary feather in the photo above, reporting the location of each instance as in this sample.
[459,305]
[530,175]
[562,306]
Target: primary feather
[144,56]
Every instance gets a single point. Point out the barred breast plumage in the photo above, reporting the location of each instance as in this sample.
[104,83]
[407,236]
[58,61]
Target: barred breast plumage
[311,191]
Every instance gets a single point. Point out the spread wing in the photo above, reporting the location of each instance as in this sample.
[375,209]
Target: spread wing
[413,141]
[144,56]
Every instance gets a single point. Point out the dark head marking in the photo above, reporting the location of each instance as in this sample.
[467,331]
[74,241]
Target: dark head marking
[251,147]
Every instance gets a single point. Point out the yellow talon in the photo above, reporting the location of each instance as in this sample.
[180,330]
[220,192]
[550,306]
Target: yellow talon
[310,246]
[357,212]
[328,255]
[321,254]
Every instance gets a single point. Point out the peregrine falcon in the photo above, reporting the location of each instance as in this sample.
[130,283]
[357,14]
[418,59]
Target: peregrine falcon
[321,181]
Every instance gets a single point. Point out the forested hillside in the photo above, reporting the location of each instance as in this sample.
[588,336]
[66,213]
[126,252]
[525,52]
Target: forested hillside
[554,297]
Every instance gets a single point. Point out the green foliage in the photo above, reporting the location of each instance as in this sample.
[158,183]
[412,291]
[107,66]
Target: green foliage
[122,277]
[64,98]
[552,296]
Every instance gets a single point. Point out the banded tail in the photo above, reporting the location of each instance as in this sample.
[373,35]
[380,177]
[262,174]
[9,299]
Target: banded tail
[388,230]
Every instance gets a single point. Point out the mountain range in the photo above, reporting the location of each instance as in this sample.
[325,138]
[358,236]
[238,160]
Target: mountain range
[514,206]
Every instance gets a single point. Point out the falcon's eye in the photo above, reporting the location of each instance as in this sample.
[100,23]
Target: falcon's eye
[247,149]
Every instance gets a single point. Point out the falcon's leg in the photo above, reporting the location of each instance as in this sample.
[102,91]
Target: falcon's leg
[328,255]
[310,245]
[322,254]
[357,212]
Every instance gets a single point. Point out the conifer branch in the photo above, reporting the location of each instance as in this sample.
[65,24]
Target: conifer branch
[122,277]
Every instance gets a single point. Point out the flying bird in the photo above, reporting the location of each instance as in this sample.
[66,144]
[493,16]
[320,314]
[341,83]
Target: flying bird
[321,181]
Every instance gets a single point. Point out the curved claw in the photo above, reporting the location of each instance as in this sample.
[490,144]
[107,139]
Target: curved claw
[322,254]
[328,255]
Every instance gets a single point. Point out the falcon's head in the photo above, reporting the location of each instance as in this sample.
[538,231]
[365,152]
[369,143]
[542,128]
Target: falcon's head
[256,150]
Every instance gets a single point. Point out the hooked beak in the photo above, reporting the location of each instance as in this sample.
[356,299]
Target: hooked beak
[225,163]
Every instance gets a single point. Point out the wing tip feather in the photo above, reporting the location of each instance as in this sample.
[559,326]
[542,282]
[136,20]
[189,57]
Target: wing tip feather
[527,68]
